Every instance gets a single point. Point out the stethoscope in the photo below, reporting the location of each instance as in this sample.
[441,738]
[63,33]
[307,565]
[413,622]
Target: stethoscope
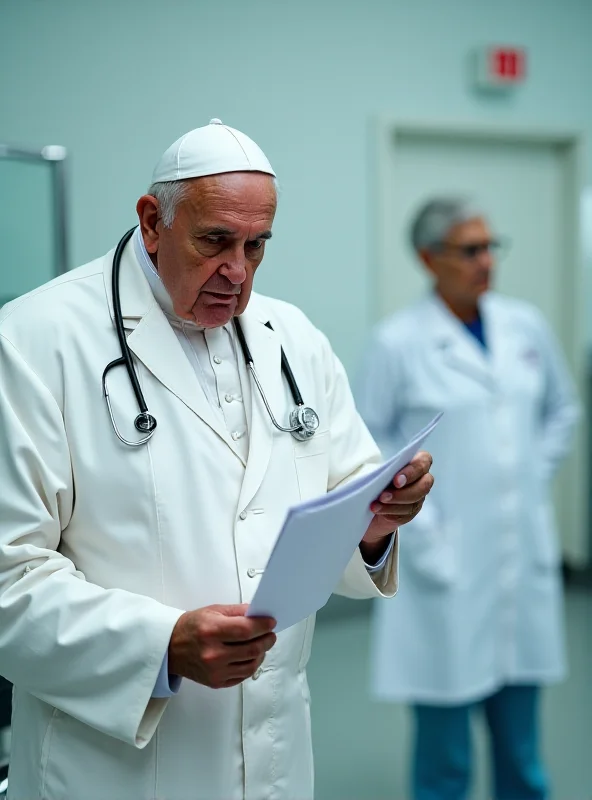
[304,421]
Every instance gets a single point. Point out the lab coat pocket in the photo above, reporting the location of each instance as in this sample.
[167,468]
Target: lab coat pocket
[430,552]
[100,766]
[312,465]
[544,542]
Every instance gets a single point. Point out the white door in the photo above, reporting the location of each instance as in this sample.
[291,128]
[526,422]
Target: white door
[528,189]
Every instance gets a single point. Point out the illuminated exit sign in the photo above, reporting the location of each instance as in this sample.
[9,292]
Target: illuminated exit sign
[501,67]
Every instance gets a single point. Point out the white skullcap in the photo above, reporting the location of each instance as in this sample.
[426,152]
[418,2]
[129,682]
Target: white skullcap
[210,150]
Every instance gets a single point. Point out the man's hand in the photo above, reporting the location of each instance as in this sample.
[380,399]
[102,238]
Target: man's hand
[397,505]
[218,646]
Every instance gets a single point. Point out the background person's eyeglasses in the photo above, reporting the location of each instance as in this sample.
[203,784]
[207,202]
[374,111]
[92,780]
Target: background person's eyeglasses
[472,250]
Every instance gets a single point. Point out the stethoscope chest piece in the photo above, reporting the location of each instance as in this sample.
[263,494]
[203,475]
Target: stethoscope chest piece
[305,422]
[145,423]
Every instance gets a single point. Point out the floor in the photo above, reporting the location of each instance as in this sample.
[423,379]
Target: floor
[362,748]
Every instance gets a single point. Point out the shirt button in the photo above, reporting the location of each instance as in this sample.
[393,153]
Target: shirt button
[257,674]
[229,398]
[242,515]
[236,435]
[217,360]
[251,572]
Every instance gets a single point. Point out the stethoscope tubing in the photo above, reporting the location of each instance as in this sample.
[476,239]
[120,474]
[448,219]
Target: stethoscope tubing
[145,422]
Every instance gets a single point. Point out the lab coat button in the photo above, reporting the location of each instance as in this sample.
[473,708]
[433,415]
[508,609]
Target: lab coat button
[236,435]
[228,398]
[251,572]
[217,360]
[27,570]
[257,674]
[242,515]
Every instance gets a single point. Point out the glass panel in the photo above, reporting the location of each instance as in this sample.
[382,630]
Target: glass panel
[26,227]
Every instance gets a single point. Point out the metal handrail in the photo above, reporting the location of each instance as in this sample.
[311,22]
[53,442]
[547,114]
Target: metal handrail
[56,156]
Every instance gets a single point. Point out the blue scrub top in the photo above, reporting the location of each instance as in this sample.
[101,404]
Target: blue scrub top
[476,328]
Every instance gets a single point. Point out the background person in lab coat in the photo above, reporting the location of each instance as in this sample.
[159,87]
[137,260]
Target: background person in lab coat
[479,614]
[125,572]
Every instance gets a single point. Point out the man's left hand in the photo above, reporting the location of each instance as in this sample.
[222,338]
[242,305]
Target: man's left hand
[398,504]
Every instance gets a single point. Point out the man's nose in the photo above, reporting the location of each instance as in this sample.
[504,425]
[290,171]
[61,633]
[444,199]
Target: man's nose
[234,267]
[485,259]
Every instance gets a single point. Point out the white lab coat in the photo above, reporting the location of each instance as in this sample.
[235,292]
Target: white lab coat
[102,546]
[480,603]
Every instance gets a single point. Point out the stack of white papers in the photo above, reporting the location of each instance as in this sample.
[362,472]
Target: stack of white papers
[318,539]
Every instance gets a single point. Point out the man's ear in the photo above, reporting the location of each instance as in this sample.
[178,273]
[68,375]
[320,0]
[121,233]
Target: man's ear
[427,259]
[148,208]
[425,256]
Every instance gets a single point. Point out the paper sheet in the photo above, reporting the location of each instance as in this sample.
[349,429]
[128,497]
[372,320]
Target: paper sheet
[317,541]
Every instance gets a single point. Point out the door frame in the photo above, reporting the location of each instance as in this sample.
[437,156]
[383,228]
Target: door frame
[387,133]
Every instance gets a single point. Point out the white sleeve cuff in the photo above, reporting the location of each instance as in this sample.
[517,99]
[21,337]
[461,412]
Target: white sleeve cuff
[380,564]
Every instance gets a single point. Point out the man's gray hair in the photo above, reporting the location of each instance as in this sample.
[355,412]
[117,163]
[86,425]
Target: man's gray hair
[170,193]
[435,219]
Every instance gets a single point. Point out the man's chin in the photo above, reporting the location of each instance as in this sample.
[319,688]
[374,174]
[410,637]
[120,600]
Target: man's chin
[483,288]
[214,316]
[206,313]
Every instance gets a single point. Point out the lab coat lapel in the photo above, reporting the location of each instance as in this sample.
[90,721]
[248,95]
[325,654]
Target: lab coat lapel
[154,342]
[265,348]
[500,338]
[459,348]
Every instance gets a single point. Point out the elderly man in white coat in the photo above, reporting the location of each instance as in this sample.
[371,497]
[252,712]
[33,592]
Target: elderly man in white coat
[480,609]
[126,564]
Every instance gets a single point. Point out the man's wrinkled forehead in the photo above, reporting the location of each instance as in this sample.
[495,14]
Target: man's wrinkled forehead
[217,200]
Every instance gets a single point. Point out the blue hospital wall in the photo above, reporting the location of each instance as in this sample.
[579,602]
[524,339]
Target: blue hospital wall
[116,82]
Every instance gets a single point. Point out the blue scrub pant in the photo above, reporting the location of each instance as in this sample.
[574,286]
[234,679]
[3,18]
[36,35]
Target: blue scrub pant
[442,758]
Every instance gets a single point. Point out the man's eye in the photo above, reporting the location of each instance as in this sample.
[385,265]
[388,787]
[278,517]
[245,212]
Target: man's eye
[256,244]
[212,239]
